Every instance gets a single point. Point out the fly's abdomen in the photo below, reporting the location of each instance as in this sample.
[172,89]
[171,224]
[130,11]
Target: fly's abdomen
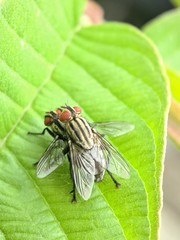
[80,132]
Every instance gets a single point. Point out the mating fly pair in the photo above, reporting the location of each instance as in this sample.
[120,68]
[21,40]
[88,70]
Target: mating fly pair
[88,152]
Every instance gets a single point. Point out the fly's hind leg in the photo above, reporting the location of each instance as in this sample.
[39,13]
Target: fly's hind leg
[114,180]
[72,177]
[74,193]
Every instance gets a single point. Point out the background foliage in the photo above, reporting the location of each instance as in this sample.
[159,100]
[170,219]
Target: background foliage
[165,33]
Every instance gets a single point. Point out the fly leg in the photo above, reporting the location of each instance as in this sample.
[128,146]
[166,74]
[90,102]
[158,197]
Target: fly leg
[74,193]
[50,133]
[74,186]
[114,180]
[43,132]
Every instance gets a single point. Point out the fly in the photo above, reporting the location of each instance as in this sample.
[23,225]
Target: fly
[84,145]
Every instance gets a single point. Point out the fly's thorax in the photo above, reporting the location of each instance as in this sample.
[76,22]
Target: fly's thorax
[80,132]
[57,128]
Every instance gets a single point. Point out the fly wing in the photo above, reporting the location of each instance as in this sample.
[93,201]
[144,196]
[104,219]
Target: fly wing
[113,128]
[83,167]
[109,158]
[51,159]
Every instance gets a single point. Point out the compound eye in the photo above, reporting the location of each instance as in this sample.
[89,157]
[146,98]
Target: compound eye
[58,111]
[77,109]
[65,116]
[47,120]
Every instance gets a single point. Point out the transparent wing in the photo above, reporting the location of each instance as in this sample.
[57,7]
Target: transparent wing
[83,167]
[113,128]
[99,172]
[51,159]
[109,158]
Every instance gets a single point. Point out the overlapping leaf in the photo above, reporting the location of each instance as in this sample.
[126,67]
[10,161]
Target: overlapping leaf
[176,2]
[165,32]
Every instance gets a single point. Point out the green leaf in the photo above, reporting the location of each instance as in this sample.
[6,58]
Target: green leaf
[114,73]
[176,2]
[165,33]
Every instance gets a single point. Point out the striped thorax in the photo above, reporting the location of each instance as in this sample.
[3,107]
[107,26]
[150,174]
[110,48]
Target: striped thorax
[77,128]
[80,132]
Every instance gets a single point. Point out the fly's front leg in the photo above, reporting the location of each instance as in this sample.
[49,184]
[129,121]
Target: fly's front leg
[114,180]
[64,138]
[74,186]
[43,132]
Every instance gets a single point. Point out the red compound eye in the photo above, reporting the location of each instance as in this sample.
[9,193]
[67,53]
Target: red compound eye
[58,111]
[65,116]
[77,109]
[47,120]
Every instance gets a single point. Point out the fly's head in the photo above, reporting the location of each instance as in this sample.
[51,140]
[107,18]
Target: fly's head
[69,113]
[63,114]
[52,116]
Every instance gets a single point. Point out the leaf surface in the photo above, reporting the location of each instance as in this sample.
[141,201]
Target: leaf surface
[114,73]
